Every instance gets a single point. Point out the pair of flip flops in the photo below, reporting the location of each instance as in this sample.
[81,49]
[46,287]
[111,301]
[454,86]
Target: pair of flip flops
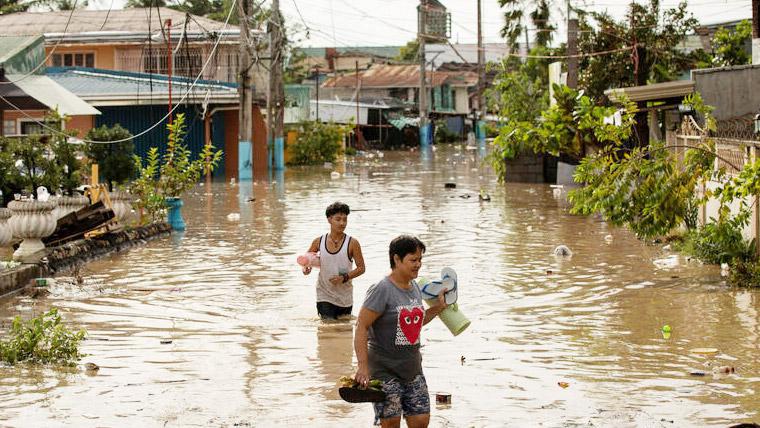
[431,289]
[354,394]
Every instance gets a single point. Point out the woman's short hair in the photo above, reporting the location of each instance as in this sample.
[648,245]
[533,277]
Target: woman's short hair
[403,245]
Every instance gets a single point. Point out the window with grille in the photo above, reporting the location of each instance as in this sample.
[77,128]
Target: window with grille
[74,59]
[9,127]
[187,62]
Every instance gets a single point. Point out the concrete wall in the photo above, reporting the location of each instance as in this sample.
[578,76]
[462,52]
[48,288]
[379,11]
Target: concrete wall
[733,91]
[528,168]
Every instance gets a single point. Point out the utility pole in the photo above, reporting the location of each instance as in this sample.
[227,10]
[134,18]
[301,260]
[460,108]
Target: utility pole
[169,63]
[316,67]
[572,48]
[275,109]
[481,61]
[245,92]
[755,19]
[358,88]
[424,130]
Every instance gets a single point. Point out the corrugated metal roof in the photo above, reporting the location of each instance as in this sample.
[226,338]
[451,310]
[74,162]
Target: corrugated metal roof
[654,91]
[379,51]
[131,20]
[451,53]
[107,87]
[11,46]
[387,76]
[53,95]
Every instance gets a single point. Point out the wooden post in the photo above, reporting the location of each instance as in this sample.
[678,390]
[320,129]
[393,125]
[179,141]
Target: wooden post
[94,178]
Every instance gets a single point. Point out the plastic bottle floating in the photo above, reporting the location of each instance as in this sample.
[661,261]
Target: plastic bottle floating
[562,251]
[308,260]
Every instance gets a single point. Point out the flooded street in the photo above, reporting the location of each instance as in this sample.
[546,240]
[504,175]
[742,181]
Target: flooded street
[247,347]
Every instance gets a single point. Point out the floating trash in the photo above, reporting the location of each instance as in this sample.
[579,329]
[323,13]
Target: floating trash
[608,238]
[562,251]
[450,185]
[442,398]
[335,174]
[704,351]
[233,216]
[724,269]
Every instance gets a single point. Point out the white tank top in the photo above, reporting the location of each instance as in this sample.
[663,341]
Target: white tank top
[331,264]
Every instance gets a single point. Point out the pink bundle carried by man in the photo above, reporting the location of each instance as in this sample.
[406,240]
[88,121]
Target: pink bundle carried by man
[309,260]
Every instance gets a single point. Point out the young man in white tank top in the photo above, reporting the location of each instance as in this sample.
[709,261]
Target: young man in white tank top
[337,254]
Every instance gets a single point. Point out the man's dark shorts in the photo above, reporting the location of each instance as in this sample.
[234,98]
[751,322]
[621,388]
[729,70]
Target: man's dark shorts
[329,311]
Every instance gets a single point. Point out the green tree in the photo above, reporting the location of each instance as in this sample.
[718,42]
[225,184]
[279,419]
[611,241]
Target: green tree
[729,46]
[318,142]
[13,6]
[114,159]
[642,46]
[514,21]
[574,125]
[648,189]
[67,4]
[295,69]
[145,3]
[409,52]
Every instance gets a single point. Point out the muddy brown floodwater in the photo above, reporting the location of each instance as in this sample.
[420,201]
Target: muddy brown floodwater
[248,350]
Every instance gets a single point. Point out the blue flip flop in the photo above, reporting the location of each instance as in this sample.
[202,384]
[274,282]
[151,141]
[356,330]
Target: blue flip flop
[448,281]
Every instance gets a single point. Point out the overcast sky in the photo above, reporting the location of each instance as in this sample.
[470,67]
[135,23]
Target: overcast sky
[394,22]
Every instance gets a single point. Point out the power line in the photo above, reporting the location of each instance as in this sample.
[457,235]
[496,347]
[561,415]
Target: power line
[44,61]
[176,106]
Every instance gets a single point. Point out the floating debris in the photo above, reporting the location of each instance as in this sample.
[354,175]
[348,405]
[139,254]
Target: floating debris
[562,251]
[91,367]
[233,216]
[704,351]
[450,185]
[335,174]
[608,238]
[563,385]
[166,341]
[483,196]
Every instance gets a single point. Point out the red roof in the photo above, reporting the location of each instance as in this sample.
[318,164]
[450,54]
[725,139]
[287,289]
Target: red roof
[387,76]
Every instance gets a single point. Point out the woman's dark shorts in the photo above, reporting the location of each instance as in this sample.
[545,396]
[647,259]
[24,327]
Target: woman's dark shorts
[403,399]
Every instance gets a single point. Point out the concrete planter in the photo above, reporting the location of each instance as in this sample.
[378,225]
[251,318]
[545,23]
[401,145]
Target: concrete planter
[121,203]
[31,221]
[69,204]
[6,235]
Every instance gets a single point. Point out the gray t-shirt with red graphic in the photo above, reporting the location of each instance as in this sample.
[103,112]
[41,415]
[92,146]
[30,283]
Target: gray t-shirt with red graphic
[394,338]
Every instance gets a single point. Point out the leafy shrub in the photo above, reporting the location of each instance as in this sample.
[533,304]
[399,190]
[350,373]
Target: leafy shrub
[114,159]
[317,143]
[148,195]
[179,173]
[443,135]
[745,273]
[41,340]
[719,242]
